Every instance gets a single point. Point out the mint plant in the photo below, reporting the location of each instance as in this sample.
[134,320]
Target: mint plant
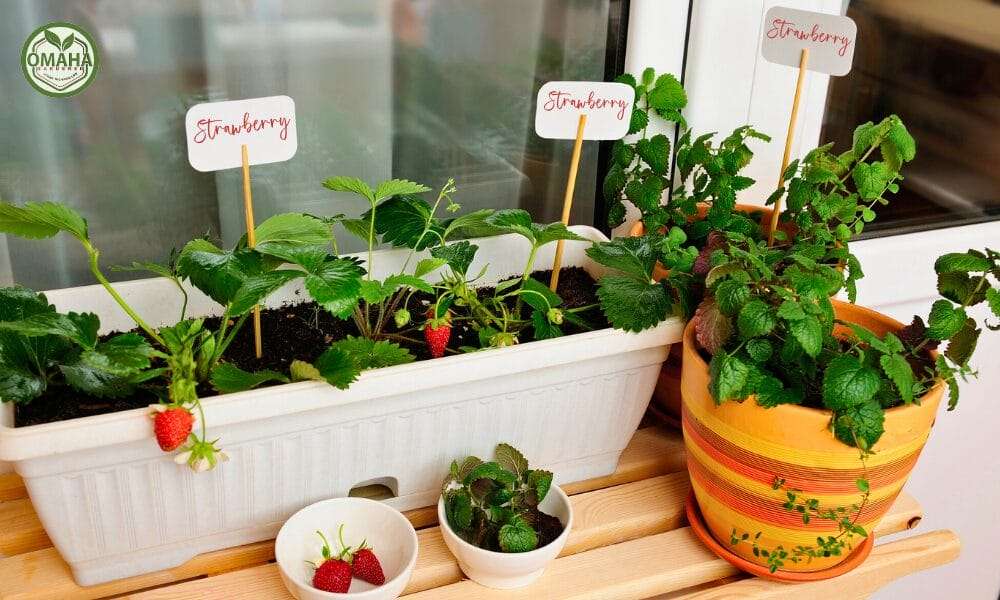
[831,197]
[846,518]
[494,505]
[707,174]
[768,323]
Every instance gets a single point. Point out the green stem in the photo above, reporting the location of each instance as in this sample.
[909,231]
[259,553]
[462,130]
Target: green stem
[95,268]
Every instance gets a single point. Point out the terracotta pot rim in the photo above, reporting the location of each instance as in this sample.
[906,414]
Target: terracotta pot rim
[701,531]
[688,339]
[638,228]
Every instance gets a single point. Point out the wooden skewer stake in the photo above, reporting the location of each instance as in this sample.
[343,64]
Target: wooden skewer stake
[258,343]
[803,62]
[568,199]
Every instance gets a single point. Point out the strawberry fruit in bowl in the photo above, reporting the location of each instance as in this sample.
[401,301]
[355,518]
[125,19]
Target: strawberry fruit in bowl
[374,559]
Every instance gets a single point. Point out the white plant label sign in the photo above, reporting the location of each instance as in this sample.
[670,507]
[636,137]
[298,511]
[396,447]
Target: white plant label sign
[830,39]
[217,130]
[608,107]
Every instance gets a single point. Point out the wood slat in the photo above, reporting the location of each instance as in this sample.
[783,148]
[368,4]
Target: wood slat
[602,517]
[42,573]
[675,560]
[20,529]
[11,487]
[612,516]
[887,563]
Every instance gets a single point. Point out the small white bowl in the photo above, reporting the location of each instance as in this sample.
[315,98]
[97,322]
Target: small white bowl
[385,529]
[508,570]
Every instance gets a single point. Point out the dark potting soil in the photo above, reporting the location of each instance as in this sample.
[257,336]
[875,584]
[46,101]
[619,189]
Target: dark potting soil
[300,331]
[547,527]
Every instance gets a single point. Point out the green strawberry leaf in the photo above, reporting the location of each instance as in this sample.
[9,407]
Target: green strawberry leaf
[633,256]
[632,305]
[216,272]
[336,367]
[398,187]
[352,185]
[369,354]
[256,288]
[292,229]
[336,286]
[458,256]
[227,378]
[37,220]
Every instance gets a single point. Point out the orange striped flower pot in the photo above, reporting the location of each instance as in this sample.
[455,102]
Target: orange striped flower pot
[736,450]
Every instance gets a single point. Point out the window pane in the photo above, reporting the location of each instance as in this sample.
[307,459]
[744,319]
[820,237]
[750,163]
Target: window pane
[417,89]
[936,65]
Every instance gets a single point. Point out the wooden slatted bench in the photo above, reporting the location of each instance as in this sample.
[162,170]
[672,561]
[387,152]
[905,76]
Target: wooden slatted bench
[629,541]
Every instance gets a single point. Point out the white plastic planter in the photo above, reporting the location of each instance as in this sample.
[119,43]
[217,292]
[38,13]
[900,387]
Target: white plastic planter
[114,505]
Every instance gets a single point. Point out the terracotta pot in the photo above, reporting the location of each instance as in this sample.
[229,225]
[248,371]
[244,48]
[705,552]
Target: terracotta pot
[736,450]
[666,403]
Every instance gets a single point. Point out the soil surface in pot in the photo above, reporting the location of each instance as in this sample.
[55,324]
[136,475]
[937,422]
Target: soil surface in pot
[546,526]
[301,331]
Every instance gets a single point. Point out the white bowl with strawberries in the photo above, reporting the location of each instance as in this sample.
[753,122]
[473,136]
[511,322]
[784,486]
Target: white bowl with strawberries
[346,548]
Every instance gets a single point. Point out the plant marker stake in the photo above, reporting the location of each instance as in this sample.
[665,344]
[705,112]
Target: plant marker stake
[258,344]
[568,199]
[803,62]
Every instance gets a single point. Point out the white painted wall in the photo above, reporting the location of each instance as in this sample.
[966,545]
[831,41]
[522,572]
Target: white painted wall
[957,480]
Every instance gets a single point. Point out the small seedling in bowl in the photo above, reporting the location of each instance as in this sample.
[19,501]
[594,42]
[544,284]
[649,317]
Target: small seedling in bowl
[334,573]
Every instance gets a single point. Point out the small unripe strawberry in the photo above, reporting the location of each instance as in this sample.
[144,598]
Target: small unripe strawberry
[402,318]
[555,316]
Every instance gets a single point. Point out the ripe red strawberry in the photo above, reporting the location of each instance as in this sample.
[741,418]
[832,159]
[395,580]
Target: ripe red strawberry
[333,575]
[437,332]
[367,567]
[172,426]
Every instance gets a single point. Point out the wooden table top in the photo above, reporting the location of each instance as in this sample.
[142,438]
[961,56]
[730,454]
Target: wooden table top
[629,541]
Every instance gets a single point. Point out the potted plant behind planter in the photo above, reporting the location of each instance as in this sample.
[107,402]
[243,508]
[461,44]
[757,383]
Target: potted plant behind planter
[700,199]
[294,435]
[803,416]
[502,520]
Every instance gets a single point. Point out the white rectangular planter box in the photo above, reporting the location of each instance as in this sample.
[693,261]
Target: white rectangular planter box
[114,505]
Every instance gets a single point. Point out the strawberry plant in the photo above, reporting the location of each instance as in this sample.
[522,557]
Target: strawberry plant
[40,348]
[494,505]
[238,279]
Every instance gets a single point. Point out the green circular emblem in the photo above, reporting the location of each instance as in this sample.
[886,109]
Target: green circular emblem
[59,59]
